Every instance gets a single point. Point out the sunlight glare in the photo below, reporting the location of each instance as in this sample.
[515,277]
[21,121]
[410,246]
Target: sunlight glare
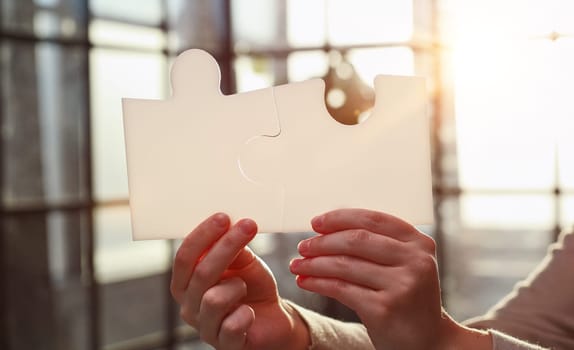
[514,115]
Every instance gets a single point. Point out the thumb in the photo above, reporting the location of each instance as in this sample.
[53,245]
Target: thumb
[242,259]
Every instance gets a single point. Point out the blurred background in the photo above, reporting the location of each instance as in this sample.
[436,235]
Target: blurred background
[500,95]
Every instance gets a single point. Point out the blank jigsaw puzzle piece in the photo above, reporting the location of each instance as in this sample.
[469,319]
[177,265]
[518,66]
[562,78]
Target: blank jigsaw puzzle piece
[380,164]
[183,153]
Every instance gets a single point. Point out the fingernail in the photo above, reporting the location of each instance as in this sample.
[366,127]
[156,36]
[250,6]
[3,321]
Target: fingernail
[294,264]
[303,246]
[247,227]
[317,221]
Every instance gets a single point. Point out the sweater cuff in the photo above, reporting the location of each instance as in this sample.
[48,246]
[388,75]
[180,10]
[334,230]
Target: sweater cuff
[501,341]
[327,333]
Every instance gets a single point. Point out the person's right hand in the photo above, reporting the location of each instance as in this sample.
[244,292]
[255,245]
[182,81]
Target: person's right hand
[228,294]
[384,269]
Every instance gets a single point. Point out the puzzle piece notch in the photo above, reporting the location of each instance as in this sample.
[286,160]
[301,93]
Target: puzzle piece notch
[182,153]
[320,164]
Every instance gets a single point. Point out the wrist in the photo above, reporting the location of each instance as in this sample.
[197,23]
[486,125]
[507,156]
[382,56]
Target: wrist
[454,336]
[300,338]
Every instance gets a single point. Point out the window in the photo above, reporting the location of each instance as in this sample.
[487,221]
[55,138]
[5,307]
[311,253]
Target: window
[498,98]
[512,111]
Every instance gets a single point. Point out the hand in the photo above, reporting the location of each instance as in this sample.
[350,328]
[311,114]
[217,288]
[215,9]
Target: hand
[385,270]
[228,294]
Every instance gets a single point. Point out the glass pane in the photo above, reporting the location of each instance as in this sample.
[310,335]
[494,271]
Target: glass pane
[145,12]
[371,62]
[258,23]
[119,34]
[66,252]
[62,94]
[567,211]
[253,73]
[133,311]
[131,277]
[424,15]
[473,280]
[423,66]
[368,21]
[119,258]
[306,22]
[43,108]
[547,16]
[42,276]
[519,98]
[21,129]
[529,19]
[513,211]
[507,105]
[196,24]
[563,75]
[44,18]
[115,75]
[307,65]
[566,162]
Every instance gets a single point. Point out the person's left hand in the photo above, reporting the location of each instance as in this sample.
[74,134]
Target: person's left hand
[385,270]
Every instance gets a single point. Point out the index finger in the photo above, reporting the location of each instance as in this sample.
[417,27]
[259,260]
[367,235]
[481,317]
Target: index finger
[192,248]
[374,221]
[213,265]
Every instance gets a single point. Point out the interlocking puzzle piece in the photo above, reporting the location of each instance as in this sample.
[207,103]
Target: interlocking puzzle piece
[182,153]
[201,152]
[381,164]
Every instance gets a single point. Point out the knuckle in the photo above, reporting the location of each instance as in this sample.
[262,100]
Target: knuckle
[424,265]
[314,244]
[205,338]
[406,287]
[381,311]
[341,263]
[213,300]
[201,273]
[376,312]
[229,241]
[331,216]
[231,327]
[180,258]
[339,287]
[358,238]
[175,293]
[428,263]
[428,243]
[186,316]
[374,219]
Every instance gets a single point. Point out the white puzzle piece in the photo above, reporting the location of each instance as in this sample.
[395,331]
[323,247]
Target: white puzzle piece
[274,155]
[381,164]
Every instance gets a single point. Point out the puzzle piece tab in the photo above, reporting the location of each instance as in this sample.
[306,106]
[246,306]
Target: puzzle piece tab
[274,155]
[381,164]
